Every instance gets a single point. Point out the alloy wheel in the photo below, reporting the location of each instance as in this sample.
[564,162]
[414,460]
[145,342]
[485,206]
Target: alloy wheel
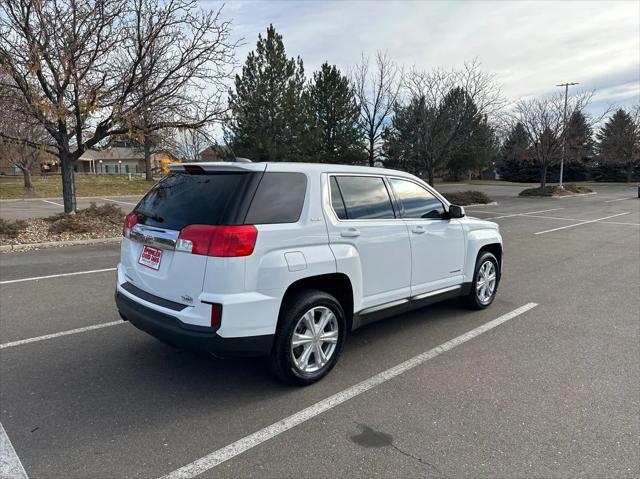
[314,339]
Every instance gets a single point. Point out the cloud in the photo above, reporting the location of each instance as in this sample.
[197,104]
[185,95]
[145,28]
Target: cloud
[530,46]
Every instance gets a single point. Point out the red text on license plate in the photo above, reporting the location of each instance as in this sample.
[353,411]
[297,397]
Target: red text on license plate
[150,257]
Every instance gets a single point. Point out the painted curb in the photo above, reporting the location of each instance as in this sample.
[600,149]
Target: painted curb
[55,244]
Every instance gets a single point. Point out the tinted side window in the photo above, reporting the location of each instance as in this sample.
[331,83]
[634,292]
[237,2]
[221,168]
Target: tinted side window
[279,199]
[336,200]
[416,202]
[365,197]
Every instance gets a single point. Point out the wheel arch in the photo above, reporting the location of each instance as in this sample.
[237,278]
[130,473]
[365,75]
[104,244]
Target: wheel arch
[337,285]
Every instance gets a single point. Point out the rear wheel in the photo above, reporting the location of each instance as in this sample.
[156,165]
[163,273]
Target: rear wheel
[309,338]
[485,282]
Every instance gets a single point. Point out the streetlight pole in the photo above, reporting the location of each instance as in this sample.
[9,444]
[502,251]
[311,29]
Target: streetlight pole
[564,126]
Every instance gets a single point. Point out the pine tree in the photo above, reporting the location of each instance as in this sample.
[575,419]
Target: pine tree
[270,115]
[514,159]
[618,146]
[335,113]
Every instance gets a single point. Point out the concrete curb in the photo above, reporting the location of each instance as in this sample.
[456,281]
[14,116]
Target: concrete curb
[55,244]
[493,203]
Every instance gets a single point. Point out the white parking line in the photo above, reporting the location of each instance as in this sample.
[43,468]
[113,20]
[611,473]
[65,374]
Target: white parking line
[10,465]
[117,201]
[242,445]
[576,219]
[579,195]
[522,214]
[620,199]
[60,334]
[36,278]
[52,202]
[581,223]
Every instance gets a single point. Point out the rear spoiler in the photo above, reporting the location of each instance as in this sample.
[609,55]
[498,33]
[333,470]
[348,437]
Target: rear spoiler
[196,168]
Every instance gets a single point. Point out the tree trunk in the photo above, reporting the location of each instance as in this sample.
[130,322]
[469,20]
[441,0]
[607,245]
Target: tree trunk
[68,183]
[147,158]
[430,174]
[28,185]
[543,176]
[372,160]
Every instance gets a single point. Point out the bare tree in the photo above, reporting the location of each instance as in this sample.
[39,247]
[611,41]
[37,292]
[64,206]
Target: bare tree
[22,154]
[543,120]
[92,69]
[191,143]
[376,91]
[451,102]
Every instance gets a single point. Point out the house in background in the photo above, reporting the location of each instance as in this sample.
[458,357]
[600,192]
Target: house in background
[122,160]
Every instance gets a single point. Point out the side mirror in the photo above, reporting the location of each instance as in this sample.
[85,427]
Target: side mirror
[456,211]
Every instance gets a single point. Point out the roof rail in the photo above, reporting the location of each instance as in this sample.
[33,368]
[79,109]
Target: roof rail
[242,160]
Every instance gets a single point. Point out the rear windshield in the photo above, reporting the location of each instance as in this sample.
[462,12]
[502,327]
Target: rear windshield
[182,199]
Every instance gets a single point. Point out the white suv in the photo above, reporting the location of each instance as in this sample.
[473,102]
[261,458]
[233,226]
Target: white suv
[285,259]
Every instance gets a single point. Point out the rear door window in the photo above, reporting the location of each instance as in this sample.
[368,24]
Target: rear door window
[279,199]
[182,199]
[365,197]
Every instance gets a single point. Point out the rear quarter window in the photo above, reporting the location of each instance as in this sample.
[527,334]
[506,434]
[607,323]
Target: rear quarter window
[278,199]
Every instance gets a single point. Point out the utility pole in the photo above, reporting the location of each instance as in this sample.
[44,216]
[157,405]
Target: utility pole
[564,126]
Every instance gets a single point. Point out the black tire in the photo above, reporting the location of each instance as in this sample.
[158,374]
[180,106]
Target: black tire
[282,356]
[473,300]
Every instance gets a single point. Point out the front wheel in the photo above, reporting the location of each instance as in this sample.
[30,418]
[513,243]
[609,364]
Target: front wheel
[309,339]
[485,282]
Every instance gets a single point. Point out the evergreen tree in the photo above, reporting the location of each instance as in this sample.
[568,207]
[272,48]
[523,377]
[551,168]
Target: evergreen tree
[617,141]
[404,145]
[270,115]
[477,152]
[579,138]
[423,139]
[514,158]
[335,113]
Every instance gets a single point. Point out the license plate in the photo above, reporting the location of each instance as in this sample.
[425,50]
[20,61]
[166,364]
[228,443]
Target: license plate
[150,257]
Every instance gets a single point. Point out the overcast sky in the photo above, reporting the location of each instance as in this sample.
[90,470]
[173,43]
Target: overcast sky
[530,46]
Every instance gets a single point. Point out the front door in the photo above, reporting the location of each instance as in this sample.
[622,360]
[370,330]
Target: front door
[437,243]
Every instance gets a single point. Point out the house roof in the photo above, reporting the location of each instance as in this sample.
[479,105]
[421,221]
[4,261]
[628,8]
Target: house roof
[116,153]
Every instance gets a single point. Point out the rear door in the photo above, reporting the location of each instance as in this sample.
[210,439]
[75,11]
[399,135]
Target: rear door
[365,220]
[207,198]
[437,243]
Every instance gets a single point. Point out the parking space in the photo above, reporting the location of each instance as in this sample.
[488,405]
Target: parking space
[550,391]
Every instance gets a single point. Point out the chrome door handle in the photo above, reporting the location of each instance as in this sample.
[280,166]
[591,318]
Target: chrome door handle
[350,233]
[418,230]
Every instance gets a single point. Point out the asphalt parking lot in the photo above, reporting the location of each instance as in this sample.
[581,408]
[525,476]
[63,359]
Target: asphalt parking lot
[43,207]
[551,392]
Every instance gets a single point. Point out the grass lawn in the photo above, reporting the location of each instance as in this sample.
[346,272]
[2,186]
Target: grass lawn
[86,185]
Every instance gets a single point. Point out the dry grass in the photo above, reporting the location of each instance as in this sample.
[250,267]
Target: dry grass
[86,185]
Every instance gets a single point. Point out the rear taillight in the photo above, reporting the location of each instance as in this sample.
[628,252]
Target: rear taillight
[227,241]
[129,222]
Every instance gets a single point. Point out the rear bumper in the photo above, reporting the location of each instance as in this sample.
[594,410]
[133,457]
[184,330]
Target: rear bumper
[171,330]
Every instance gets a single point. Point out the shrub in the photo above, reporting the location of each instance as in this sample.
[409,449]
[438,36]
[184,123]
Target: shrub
[11,229]
[464,198]
[86,220]
[554,190]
